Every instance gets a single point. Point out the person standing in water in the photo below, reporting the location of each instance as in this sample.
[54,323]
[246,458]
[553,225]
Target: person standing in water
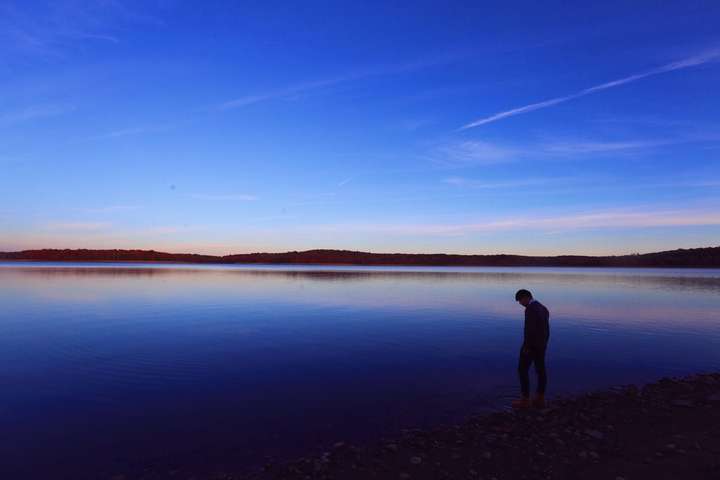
[535,340]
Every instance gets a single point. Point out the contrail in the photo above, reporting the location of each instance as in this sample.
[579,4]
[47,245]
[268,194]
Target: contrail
[696,60]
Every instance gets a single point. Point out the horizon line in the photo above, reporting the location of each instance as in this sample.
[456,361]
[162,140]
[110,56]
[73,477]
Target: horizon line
[347,251]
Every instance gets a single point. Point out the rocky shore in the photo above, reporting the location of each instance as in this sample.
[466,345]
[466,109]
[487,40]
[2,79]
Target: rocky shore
[665,430]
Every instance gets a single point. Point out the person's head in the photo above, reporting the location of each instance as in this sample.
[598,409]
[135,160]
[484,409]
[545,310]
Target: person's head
[523,297]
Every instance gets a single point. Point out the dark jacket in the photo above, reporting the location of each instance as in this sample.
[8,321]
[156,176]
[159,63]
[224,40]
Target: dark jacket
[537,326]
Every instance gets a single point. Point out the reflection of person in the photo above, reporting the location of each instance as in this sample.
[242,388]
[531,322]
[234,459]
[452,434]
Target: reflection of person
[536,336]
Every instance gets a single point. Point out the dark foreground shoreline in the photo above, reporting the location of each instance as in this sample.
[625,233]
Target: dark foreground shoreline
[664,430]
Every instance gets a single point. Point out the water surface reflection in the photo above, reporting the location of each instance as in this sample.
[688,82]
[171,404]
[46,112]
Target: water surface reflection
[113,366]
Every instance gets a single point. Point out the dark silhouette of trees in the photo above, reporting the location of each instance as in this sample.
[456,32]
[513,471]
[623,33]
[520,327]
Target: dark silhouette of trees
[692,257]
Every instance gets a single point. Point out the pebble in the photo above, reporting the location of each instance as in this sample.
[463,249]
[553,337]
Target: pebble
[565,425]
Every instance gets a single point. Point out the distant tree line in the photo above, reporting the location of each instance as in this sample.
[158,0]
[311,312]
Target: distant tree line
[692,257]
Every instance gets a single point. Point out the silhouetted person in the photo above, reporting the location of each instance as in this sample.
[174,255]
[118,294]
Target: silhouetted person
[536,336]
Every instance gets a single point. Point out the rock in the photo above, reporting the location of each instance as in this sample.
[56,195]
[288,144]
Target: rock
[487,455]
[392,447]
[670,446]
[415,460]
[595,434]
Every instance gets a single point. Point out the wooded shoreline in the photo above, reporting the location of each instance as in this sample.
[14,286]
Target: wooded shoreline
[708,257]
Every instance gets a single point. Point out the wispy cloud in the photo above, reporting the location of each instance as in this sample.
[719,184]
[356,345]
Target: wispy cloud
[124,132]
[482,184]
[34,112]
[578,147]
[554,223]
[172,229]
[63,24]
[78,226]
[477,153]
[473,153]
[280,93]
[111,209]
[345,182]
[700,59]
[231,196]
[93,36]
[683,184]
[293,90]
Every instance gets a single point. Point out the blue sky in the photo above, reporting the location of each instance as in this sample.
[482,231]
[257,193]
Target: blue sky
[463,127]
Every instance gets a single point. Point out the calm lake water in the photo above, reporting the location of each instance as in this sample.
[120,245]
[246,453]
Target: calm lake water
[113,368]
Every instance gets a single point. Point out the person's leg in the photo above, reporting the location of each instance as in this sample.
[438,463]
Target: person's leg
[523,368]
[539,360]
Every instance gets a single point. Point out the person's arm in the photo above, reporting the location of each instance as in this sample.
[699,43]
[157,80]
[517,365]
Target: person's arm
[532,328]
[547,326]
[529,331]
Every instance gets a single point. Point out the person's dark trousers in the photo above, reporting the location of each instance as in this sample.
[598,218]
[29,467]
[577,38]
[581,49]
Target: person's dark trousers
[536,356]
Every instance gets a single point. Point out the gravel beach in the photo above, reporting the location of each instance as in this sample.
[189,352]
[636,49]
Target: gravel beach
[664,430]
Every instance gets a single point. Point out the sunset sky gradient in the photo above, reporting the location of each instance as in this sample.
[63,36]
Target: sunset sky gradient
[459,127]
